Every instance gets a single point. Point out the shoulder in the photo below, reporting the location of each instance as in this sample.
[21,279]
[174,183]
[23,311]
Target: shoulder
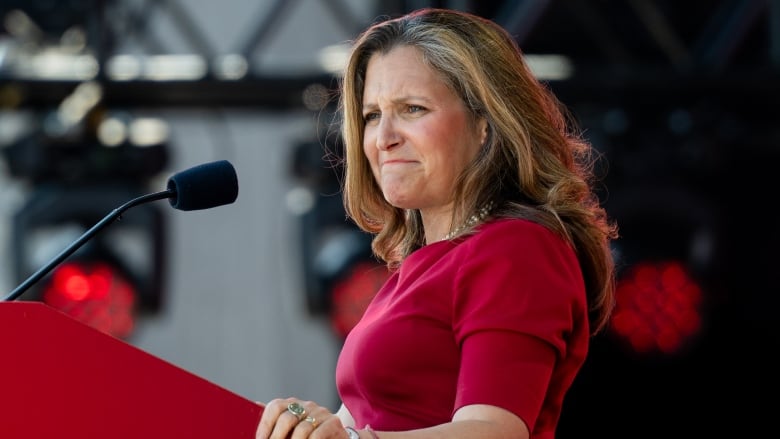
[520,251]
[522,275]
[519,225]
[515,234]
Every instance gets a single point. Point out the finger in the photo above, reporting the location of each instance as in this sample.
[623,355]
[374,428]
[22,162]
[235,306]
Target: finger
[319,422]
[288,423]
[284,427]
[273,414]
[267,419]
[303,429]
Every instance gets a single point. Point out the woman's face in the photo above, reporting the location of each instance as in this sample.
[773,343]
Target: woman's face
[418,134]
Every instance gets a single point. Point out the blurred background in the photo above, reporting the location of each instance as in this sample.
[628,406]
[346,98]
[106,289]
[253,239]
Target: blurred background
[102,100]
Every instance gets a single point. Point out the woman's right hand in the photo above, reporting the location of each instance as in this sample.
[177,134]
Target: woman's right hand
[292,418]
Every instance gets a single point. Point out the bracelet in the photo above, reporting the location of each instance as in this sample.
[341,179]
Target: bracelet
[352,433]
[371,432]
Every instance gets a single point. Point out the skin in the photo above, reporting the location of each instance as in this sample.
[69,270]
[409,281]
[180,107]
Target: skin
[418,138]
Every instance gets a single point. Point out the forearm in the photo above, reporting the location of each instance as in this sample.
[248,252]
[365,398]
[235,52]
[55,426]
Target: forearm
[469,422]
[467,429]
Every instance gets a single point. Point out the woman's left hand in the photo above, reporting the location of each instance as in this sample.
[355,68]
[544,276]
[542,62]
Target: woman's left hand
[295,419]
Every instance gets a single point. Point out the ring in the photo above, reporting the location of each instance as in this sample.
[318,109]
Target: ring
[297,410]
[313,422]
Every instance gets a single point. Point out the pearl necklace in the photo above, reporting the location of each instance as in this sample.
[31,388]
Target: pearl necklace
[480,215]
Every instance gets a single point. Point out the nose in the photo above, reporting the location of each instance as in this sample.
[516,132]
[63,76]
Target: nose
[387,135]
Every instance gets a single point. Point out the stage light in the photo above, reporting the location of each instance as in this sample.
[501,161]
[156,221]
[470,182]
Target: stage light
[115,276]
[96,293]
[352,292]
[78,175]
[658,309]
[667,259]
[662,338]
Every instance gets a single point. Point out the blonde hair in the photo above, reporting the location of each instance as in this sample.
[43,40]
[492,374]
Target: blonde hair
[533,164]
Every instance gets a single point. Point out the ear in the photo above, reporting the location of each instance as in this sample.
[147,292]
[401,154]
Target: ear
[482,126]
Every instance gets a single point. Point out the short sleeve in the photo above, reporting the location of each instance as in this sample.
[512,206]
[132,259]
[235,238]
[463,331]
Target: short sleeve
[520,295]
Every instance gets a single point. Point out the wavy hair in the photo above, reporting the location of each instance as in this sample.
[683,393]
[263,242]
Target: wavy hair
[534,163]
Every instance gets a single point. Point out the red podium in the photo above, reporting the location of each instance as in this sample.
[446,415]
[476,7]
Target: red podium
[60,378]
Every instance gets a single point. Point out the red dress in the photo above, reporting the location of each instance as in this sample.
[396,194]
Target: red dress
[498,317]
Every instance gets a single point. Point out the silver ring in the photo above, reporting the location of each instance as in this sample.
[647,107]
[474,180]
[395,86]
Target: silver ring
[297,410]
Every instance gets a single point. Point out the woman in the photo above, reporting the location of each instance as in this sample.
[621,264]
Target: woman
[479,196]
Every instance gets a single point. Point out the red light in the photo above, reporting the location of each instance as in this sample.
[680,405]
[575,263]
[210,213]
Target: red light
[658,307]
[94,293]
[352,294]
[75,283]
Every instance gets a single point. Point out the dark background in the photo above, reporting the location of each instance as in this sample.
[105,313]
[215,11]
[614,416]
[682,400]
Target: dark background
[681,98]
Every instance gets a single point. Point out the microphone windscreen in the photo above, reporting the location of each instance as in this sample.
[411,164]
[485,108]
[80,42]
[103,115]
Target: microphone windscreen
[204,186]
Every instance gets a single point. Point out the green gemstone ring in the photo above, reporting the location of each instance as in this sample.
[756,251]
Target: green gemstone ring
[297,410]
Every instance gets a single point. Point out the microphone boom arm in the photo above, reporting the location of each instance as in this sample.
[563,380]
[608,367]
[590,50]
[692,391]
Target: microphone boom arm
[107,220]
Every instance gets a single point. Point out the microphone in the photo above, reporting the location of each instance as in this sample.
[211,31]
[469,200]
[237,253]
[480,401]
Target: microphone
[204,186]
[201,187]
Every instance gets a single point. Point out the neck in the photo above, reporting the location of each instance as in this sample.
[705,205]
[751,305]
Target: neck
[473,220]
[436,224]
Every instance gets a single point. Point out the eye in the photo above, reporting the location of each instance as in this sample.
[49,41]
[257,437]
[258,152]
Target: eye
[415,108]
[368,117]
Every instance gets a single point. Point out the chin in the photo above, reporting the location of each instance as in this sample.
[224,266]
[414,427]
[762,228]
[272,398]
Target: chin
[400,203]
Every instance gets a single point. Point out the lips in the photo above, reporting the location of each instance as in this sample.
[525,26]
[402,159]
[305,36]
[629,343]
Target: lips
[396,162]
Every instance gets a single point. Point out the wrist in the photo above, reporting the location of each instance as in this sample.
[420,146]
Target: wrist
[354,434]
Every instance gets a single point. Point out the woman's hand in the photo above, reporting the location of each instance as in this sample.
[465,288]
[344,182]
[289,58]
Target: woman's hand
[296,419]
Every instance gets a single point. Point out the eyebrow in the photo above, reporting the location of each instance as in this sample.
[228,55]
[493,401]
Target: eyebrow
[401,100]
